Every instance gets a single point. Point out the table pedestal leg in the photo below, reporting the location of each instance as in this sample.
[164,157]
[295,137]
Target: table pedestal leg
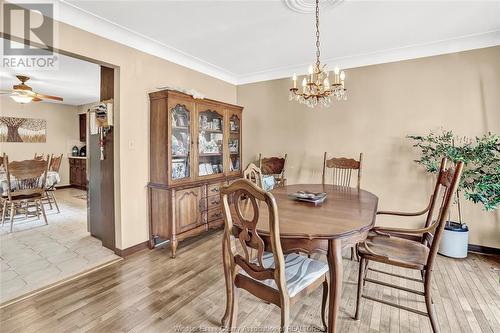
[335,265]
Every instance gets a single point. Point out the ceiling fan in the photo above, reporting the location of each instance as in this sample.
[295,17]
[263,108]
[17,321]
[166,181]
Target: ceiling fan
[22,93]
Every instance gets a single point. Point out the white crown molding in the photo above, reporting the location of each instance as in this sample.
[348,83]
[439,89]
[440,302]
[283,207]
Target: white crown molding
[464,43]
[72,15]
[80,18]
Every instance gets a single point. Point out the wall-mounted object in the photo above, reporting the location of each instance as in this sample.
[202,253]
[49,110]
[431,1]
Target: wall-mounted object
[13,129]
[101,121]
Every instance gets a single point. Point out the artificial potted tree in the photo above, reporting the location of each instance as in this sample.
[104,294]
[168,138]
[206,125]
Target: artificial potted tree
[480,182]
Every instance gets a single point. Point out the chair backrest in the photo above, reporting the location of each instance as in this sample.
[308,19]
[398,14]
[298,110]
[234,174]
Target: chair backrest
[2,166]
[272,165]
[55,162]
[253,174]
[246,199]
[28,175]
[445,188]
[38,157]
[342,169]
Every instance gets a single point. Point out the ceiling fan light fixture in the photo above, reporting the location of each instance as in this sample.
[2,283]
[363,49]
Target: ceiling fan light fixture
[21,99]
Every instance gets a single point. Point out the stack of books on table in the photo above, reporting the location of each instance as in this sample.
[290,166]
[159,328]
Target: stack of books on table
[306,196]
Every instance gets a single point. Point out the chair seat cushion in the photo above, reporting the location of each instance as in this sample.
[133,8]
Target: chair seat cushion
[300,271]
[395,250]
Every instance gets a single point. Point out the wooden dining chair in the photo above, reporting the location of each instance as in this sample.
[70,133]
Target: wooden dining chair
[342,169]
[253,174]
[54,166]
[39,156]
[389,246]
[277,278]
[274,166]
[26,187]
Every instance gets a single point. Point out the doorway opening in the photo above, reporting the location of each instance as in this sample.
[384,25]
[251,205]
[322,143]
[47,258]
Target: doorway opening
[72,231]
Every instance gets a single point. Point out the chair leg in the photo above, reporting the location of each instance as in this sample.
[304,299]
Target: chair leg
[233,312]
[4,211]
[228,282]
[285,317]
[323,304]
[429,304]
[361,281]
[12,209]
[354,255]
[37,206]
[48,199]
[43,212]
[52,194]
[365,271]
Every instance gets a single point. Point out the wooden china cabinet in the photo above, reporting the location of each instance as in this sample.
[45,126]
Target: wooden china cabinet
[195,148]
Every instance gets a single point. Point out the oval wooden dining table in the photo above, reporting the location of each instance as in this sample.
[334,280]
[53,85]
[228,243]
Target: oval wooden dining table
[341,221]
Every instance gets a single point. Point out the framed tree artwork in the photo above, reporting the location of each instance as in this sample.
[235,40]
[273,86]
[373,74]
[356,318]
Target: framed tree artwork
[13,129]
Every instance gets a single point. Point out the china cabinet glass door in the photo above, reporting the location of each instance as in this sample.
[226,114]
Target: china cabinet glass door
[234,142]
[210,143]
[181,139]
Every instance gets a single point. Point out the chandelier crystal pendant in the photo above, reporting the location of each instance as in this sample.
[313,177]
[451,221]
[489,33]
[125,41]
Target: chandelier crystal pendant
[316,86]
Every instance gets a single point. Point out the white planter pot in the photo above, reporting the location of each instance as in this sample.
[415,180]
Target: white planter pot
[454,242]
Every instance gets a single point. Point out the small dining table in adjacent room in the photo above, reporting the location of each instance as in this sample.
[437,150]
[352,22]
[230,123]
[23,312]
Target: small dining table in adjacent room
[53,178]
[341,221]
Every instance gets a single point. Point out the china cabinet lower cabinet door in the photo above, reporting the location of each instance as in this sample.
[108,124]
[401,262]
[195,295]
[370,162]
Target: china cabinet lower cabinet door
[188,209]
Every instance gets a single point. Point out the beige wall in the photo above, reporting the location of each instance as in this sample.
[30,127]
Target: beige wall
[460,92]
[139,74]
[62,131]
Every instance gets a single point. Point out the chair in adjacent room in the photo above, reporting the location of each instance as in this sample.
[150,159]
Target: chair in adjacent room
[55,165]
[274,166]
[342,170]
[392,246]
[25,187]
[275,277]
[39,156]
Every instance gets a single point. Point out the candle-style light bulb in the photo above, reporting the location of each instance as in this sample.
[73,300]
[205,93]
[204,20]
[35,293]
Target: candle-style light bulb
[336,70]
[304,82]
[294,80]
[342,76]
[326,83]
[310,69]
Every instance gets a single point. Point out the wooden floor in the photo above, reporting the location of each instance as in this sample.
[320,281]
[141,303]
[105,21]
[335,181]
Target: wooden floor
[149,292]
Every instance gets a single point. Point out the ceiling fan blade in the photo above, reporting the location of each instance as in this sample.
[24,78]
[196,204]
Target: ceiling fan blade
[36,99]
[41,96]
[5,92]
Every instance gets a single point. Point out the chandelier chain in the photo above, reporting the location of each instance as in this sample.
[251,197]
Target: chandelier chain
[317,35]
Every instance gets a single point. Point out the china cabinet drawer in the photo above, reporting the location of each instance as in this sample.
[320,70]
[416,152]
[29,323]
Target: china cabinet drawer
[213,189]
[214,201]
[215,214]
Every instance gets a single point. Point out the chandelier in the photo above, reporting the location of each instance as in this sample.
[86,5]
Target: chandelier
[316,86]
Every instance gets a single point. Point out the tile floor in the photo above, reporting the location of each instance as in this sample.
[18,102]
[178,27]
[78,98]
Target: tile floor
[36,255]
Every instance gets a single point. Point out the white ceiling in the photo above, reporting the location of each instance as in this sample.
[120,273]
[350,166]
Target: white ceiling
[245,41]
[76,81]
